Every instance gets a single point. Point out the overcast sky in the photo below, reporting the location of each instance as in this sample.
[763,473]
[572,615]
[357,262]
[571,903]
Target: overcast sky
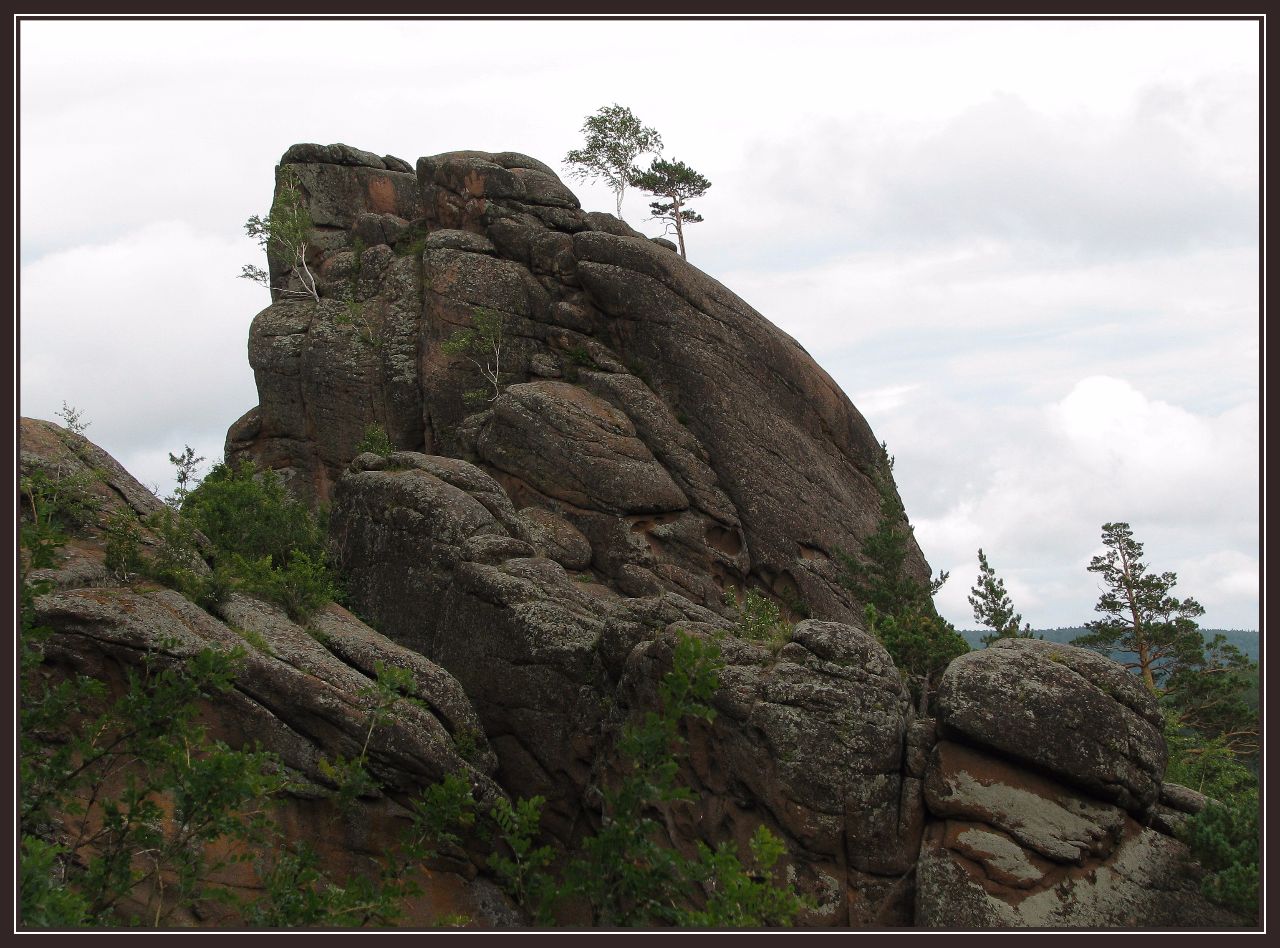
[1026,250]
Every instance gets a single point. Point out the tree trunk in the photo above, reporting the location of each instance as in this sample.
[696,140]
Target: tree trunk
[679,229]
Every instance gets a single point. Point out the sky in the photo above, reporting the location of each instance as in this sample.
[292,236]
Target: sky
[1027,250]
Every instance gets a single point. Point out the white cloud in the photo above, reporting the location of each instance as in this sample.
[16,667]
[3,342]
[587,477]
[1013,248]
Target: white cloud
[147,335]
[1032,486]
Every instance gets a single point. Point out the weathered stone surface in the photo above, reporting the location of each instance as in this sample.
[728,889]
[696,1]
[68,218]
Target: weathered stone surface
[557,538]
[459,240]
[969,876]
[71,458]
[577,448]
[375,229]
[773,492]
[337,194]
[312,154]
[1183,799]
[1078,715]
[801,439]
[813,738]
[1040,814]
[922,735]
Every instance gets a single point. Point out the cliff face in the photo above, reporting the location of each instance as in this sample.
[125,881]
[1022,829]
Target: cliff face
[532,556]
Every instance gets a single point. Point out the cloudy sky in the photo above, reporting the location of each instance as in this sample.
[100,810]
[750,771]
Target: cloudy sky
[1027,250]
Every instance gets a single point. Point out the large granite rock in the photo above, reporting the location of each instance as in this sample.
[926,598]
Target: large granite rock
[531,555]
[808,742]
[635,385]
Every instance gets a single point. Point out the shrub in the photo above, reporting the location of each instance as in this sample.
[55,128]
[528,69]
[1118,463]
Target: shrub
[375,441]
[1224,836]
[263,541]
[759,619]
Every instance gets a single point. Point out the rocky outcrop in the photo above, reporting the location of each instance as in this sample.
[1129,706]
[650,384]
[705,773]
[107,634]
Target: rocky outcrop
[1062,708]
[532,550]
[300,692]
[808,742]
[692,443]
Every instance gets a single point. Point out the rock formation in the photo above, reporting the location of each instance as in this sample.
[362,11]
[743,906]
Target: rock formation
[531,556]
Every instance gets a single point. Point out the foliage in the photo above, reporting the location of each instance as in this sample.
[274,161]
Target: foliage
[676,184]
[285,235]
[759,619]
[742,897]
[879,576]
[56,502]
[73,419]
[185,480]
[624,873]
[298,892]
[993,608]
[481,345]
[614,139]
[1216,693]
[262,540]
[524,874]
[1210,685]
[1139,613]
[921,644]
[122,800]
[899,607]
[1224,837]
[375,441]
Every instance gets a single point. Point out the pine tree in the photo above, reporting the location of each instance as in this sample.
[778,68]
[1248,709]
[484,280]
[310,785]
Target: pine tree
[1139,614]
[992,606]
[678,184]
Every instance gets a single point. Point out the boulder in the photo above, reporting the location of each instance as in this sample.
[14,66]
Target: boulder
[1079,716]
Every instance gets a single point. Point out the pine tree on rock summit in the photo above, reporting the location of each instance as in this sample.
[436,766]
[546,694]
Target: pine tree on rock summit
[678,184]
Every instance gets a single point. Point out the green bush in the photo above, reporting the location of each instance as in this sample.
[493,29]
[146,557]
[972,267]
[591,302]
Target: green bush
[375,441]
[759,619]
[1224,836]
[249,513]
[263,541]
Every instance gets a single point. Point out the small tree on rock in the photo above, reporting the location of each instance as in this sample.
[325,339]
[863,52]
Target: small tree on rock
[481,345]
[678,184]
[285,234]
[615,138]
[993,608]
